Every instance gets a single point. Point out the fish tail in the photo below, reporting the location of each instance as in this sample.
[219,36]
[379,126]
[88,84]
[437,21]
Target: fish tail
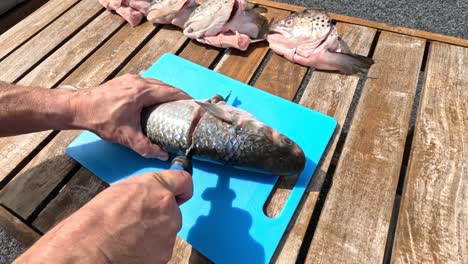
[349,63]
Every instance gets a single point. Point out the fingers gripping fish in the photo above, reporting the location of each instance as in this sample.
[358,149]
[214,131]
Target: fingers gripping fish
[217,132]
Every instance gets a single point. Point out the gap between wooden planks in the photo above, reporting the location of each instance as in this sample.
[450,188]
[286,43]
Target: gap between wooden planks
[19,13]
[51,165]
[47,75]
[32,52]
[433,220]
[31,25]
[354,222]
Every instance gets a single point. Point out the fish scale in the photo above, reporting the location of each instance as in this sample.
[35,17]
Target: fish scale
[206,130]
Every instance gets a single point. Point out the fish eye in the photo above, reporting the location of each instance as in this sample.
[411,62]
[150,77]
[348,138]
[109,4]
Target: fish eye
[289,22]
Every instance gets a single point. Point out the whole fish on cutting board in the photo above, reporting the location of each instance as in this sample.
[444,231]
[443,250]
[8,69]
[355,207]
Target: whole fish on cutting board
[226,24]
[309,38]
[214,131]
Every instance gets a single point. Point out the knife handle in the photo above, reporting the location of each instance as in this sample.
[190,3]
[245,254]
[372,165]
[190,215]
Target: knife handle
[182,163]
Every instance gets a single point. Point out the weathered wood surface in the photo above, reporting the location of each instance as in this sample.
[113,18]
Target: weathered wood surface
[168,39]
[330,94]
[119,48]
[82,187]
[29,26]
[31,53]
[64,60]
[16,228]
[433,222]
[48,169]
[19,13]
[15,150]
[354,221]
[201,54]
[355,218]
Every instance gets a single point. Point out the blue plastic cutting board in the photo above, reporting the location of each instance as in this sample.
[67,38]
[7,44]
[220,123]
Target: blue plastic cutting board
[225,219]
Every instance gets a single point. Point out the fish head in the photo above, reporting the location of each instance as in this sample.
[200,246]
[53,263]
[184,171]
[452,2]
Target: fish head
[278,154]
[209,18]
[309,25]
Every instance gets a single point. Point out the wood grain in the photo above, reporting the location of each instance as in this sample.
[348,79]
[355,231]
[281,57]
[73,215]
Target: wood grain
[354,221]
[85,185]
[281,77]
[372,24]
[25,57]
[199,53]
[108,58]
[241,65]
[34,23]
[433,221]
[61,62]
[330,94]
[168,39]
[82,187]
[45,171]
[17,229]
[39,177]
[13,150]
[18,13]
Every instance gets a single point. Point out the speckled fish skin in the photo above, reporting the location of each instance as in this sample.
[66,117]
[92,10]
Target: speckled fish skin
[169,125]
[242,142]
[309,38]
[208,18]
[227,24]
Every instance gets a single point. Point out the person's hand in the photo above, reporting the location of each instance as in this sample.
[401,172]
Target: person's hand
[113,110]
[134,221]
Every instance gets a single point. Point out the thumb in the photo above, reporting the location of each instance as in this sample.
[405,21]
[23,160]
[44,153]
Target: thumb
[178,182]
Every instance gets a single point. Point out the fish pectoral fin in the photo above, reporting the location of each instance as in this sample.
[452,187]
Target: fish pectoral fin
[219,113]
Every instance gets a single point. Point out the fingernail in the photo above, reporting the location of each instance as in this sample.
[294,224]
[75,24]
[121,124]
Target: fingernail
[162,156]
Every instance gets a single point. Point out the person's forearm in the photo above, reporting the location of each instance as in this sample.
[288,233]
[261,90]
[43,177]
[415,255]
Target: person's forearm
[27,109]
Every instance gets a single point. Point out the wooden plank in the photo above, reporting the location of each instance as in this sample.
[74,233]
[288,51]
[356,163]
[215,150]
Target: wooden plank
[241,65]
[330,94]
[433,221]
[13,150]
[168,39]
[92,72]
[372,24]
[25,57]
[34,23]
[354,222]
[20,12]
[82,187]
[17,229]
[61,62]
[281,77]
[201,54]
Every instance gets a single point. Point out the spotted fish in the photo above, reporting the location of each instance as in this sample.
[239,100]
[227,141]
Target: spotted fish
[309,38]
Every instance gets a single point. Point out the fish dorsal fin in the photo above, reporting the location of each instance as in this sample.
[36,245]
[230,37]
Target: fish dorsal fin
[219,112]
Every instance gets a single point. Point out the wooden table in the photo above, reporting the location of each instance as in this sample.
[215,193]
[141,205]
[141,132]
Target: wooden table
[352,211]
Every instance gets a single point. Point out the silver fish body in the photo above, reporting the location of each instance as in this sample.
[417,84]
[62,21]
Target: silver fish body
[217,132]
